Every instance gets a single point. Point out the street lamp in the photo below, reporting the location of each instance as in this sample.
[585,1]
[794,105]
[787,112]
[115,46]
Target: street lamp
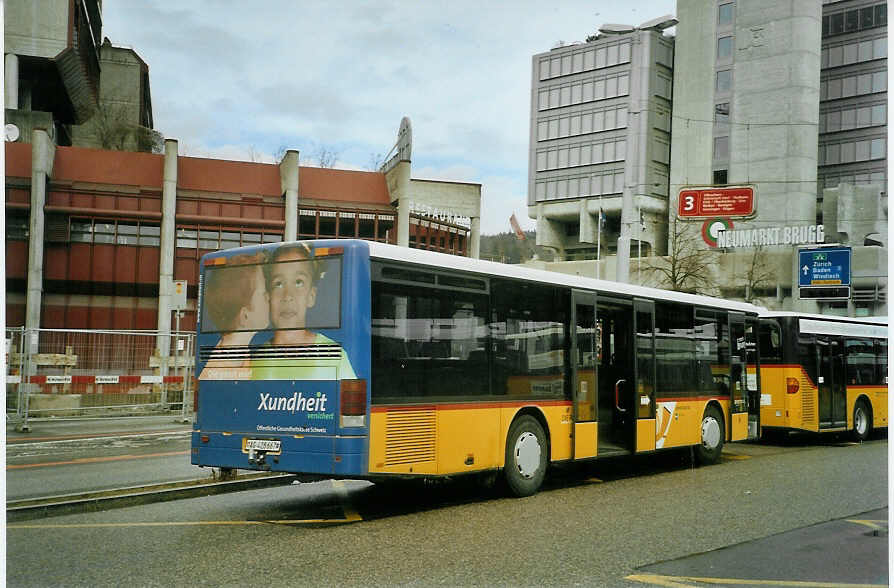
[636,158]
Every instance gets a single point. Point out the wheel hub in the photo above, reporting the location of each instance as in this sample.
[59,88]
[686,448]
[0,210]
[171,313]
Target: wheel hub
[710,433]
[527,454]
[860,421]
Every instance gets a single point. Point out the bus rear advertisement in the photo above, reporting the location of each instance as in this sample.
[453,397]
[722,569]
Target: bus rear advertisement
[354,359]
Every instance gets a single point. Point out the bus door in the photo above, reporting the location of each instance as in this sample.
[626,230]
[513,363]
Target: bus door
[832,392]
[643,397]
[616,370]
[584,377]
[738,378]
[753,376]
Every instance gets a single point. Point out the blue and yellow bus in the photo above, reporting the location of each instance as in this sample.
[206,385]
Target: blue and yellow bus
[823,373]
[354,359]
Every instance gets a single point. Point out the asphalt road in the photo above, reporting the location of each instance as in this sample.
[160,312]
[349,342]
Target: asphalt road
[59,458]
[596,526]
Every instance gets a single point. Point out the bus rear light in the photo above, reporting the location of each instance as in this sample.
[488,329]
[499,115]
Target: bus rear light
[792,386]
[353,403]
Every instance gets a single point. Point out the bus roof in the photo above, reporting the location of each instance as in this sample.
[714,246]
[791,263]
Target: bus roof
[436,260]
[873,320]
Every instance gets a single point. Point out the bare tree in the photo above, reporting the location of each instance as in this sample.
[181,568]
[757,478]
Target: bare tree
[325,156]
[686,268]
[280,153]
[115,131]
[759,274]
[375,161]
[254,155]
[112,127]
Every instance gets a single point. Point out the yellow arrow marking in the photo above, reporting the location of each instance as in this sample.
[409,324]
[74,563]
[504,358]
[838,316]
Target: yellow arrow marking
[872,524]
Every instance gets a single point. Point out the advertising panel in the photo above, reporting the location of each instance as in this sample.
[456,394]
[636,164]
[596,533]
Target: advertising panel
[272,349]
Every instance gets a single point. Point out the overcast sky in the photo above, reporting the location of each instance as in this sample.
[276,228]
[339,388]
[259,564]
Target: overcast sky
[242,80]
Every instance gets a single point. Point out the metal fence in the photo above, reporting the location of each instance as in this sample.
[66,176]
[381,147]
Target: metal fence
[75,373]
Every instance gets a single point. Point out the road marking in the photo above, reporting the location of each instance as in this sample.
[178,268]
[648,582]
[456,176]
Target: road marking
[872,524]
[89,436]
[84,460]
[120,525]
[677,581]
[657,580]
[733,456]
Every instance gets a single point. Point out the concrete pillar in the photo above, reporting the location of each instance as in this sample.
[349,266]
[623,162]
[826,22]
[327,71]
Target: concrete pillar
[403,222]
[11,80]
[636,161]
[550,233]
[43,152]
[288,178]
[166,261]
[475,238]
[398,181]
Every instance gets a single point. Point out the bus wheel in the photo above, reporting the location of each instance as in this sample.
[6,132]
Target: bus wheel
[525,456]
[862,421]
[708,451]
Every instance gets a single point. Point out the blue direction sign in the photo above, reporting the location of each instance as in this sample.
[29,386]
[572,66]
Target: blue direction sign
[824,267]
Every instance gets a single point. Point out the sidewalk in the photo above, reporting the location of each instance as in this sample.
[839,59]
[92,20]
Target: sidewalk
[47,429]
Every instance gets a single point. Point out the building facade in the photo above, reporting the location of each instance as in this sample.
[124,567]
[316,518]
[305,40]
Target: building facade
[600,132]
[787,99]
[103,215]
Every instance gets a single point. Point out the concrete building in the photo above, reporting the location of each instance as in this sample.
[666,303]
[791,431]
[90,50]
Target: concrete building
[785,99]
[123,119]
[51,65]
[600,134]
[102,215]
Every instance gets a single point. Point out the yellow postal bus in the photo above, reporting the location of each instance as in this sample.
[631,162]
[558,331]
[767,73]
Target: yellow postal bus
[376,362]
[823,373]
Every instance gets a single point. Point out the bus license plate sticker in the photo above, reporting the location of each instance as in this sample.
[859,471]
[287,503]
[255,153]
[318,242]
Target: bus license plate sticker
[267,445]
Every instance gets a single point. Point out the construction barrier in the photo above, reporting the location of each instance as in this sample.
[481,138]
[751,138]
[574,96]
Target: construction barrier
[75,373]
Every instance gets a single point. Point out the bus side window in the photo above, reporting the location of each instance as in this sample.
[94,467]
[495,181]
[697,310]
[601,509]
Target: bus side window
[881,359]
[770,341]
[861,362]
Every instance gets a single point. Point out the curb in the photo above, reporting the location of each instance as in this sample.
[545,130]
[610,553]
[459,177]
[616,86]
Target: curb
[26,510]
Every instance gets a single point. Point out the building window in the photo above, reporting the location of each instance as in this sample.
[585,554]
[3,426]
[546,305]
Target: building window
[836,24]
[878,149]
[721,113]
[724,80]
[724,47]
[721,148]
[851,21]
[115,232]
[725,14]
[17,228]
[720,176]
[858,19]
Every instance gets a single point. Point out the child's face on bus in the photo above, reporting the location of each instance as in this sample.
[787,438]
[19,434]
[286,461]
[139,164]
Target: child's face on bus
[257,311]
[292,291]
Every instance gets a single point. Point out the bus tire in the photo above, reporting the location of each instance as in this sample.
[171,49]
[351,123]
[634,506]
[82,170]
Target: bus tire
[862,421]
[526,456]
[712,435]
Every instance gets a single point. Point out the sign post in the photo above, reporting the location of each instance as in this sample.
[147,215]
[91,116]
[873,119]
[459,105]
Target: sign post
[178,304]
[824,273]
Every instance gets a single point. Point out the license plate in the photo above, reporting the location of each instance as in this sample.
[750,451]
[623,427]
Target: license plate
[268,445]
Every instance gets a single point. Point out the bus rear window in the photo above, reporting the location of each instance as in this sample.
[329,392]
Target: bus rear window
[288,291]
